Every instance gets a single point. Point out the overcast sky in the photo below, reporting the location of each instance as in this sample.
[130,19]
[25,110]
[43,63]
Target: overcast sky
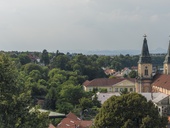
[34,25]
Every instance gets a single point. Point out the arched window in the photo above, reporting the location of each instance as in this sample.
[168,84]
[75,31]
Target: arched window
[146,71]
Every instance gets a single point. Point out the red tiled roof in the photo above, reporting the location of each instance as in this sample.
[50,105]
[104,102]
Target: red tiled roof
[85,124]
[73,121]
[69,123]
[72,116]
[51,126]
[106,81]
[162,80]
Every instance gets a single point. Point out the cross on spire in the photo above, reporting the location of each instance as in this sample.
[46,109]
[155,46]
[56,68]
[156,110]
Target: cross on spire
[145,36]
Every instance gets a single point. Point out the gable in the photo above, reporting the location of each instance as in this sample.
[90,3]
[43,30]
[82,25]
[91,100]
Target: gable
[125,83]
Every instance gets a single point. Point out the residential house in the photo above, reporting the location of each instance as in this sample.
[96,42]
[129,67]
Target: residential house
[72,121]
[111,84]
[125,71]
[108,71]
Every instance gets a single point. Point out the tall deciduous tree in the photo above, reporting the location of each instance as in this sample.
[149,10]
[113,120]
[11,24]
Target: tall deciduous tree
[14,98]
[129,111]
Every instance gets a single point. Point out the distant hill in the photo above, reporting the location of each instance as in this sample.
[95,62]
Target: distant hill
[123,52]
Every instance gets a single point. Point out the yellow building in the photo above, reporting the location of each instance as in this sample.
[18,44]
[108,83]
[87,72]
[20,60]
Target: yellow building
[146,80]
[111,84]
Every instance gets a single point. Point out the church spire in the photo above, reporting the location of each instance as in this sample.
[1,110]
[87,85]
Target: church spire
[145,56]
[167,58]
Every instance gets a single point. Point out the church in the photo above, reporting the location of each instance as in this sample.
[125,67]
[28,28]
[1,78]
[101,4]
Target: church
[147,81]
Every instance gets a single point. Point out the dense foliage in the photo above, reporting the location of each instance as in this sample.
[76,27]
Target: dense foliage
[56,79]
[129,111]
[15,99]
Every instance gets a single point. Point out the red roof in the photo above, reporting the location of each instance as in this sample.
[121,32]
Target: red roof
[72,116]
[72,121]
[105,81]
[162,80]
[51,126]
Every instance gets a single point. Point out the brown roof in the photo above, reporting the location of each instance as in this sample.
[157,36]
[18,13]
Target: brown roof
[105,81]
[162,80]
[72,116]
[73,121]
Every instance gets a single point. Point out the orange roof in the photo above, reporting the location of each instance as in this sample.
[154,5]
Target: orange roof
[105,81]
[162,80]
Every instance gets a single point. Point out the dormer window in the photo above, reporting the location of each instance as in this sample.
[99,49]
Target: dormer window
[146,71]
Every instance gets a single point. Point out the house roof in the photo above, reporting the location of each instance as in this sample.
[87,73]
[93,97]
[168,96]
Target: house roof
[72,121]
[154,97]
[102,97]
[162,80]
[51,126]
[105,81]
[51,113]
[72,116]
[109,71]
[160,97]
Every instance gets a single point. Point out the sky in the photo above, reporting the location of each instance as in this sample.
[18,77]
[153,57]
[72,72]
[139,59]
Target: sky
[70,25]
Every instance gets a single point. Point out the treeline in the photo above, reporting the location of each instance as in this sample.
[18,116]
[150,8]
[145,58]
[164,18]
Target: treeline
[56,78]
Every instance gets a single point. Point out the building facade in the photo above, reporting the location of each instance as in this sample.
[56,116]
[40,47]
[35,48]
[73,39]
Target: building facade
[110,84]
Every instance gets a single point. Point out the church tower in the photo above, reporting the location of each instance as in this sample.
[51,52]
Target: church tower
[167,62]
[144,69]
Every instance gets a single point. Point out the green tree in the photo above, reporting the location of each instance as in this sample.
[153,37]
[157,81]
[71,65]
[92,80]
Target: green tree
[85,103]
[72,93]
[30,66]
[65,107]
[15,98]
[133,74]
[24,59]
[60,61]
[45,57]
[129,110]
[51,99]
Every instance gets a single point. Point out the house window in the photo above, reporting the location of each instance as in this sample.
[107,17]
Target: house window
[121,89]
[146,71]
[116,89]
